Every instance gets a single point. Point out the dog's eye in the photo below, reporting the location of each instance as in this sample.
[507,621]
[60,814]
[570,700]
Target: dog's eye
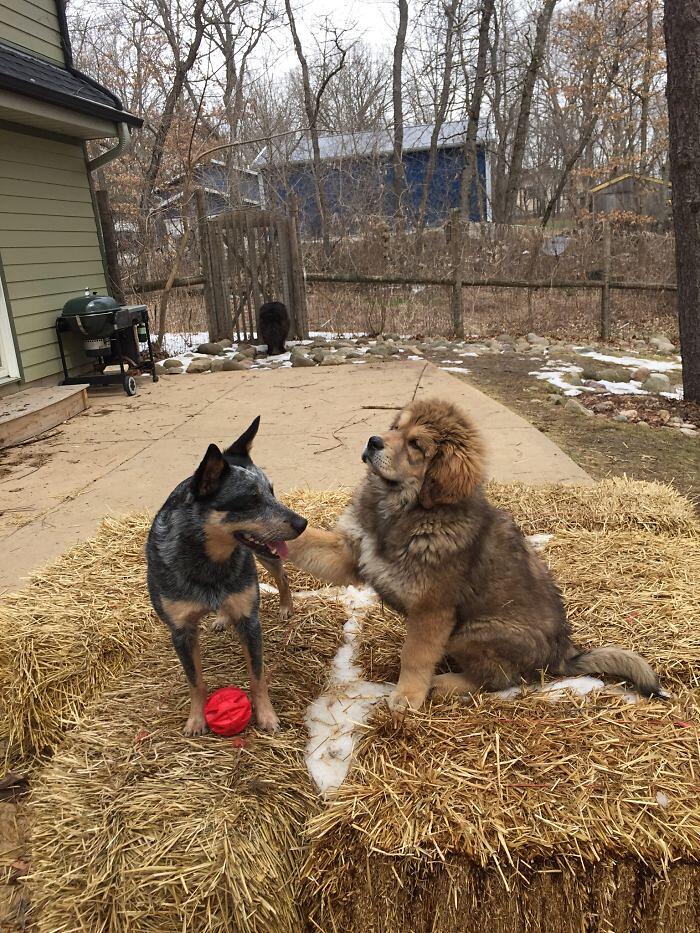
[414,443]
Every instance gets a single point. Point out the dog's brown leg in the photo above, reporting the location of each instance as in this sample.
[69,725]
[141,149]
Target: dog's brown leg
[427,634]
[445,685]
[242,609]
[276,568]
[325,554]
[183,621]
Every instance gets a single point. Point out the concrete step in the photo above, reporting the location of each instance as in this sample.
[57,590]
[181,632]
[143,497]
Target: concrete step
[33,411]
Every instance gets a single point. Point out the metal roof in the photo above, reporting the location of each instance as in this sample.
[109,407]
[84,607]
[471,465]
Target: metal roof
[35,77]
[374,142]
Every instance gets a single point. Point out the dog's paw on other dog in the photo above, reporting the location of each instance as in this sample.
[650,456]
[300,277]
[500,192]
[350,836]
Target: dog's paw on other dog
[201,554]
[422,533]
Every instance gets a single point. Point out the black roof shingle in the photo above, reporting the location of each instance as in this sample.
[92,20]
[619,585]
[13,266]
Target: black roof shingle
[34,77]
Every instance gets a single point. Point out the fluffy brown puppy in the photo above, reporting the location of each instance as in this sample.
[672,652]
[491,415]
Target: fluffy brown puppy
[421,532]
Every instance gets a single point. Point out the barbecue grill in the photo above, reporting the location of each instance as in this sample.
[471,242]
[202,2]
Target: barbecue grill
[112,334]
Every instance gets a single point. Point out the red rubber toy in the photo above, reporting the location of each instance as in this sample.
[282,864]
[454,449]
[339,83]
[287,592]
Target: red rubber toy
[227,711]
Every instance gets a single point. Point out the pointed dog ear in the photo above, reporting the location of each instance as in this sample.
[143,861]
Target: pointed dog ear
[241,447]
[453,474]
[208,475]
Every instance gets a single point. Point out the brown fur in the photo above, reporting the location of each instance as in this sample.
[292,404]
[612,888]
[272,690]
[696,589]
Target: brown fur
[422,533]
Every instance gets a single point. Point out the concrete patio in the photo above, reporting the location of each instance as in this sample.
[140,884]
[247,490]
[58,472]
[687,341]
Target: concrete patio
[125,454]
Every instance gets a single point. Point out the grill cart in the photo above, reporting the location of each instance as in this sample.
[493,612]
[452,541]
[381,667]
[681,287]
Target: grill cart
[112,334]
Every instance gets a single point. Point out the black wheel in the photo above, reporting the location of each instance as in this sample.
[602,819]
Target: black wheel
[129,385]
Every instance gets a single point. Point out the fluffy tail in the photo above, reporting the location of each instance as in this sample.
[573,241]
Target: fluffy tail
[620,663]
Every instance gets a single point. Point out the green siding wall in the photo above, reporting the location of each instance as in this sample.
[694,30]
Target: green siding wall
[49,244]
[32,25]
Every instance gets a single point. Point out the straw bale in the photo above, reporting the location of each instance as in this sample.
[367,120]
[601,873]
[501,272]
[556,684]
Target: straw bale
[610,505]
[78,623]
[137,828]
[519,815]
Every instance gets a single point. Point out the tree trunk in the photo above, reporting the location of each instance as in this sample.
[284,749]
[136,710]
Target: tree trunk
[443,104]
[523,125]
[470,155]
[646,87]
[397,95]
[312,109]
[682,30]
[182,69]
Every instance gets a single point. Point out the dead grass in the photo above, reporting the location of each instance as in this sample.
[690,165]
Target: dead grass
[137,828]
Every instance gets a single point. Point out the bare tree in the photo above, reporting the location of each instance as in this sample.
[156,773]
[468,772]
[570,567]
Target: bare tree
[331,65]
[450,12]
[469,171]
[682,29]
[544,18]
[397,101]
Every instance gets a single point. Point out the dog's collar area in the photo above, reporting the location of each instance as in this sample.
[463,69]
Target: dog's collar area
[267,548]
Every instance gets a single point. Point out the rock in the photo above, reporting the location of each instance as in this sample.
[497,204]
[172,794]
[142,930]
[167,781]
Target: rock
[493,344]
[555,399]
[572,404]
[217,364]
[246,350]
[343,343]
[318,342]
[332,360]
[689,432]
[172,364]
[225,343]
[200,365]
[631,414]
[234,366]
[643,424]
[537,340]
[619,417]
[211,349]
[590,371]
[506,338]
[639,344]
[380,349]
[661,343]
[613,375]
[319,355]
[664,415]
[574,379]
[521,346]
[657,382]
[354,355]
[414,351]
[675,421]
[301,359]
[604,406]
[641,374]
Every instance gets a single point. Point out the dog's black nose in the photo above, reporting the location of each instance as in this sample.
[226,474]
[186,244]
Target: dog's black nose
[299,524]
[375,443]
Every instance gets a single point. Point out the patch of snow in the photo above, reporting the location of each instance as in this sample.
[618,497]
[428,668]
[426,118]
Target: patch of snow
[677,393]
[539,541]
[414,357]
[555,689]
[334,718]
[466,353]
[455,369]
[558,378]
[174,344]
[623,388]
[656,366]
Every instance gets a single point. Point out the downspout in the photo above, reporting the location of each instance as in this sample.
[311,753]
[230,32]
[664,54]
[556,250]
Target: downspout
[113,153]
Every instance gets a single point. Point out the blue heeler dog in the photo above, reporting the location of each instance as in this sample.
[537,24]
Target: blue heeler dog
[200,553]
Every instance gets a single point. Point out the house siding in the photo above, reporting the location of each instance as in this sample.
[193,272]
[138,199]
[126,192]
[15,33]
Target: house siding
[32,25]
[49,245]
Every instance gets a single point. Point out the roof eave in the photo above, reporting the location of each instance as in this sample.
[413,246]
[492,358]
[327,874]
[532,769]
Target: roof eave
[69,102]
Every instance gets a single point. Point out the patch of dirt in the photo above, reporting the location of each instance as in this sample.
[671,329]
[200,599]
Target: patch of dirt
[14,865]
[649,408]
[602,447]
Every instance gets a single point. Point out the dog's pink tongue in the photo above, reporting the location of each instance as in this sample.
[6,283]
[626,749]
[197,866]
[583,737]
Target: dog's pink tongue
[281,548]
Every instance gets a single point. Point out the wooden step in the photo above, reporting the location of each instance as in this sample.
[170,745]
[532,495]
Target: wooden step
[33,411]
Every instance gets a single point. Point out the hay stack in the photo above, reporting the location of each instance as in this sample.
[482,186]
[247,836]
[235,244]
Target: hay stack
[137,828]
[77,624]
[519,815]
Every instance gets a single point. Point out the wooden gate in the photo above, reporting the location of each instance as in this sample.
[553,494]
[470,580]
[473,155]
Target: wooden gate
[251,257]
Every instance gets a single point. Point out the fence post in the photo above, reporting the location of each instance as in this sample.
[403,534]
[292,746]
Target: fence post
[605,288]
[109,240]
[456,232]
[205,259]
[297,264]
